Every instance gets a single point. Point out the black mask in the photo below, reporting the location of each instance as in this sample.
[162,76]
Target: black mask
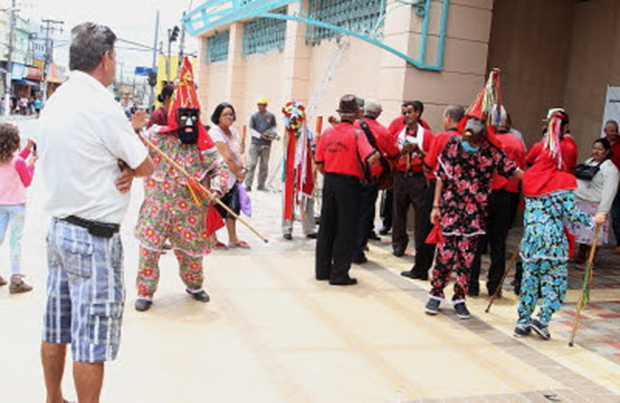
[187,120]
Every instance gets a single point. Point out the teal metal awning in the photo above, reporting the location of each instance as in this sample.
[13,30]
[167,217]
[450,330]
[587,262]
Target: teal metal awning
[214,14]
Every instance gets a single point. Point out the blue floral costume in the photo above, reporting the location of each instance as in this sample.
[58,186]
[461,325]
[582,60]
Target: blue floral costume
[544,251]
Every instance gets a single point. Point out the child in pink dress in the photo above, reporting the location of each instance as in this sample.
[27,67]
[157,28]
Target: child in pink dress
[15,176]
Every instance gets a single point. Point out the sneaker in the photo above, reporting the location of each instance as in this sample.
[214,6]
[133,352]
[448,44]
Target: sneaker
[522,330]
[461,310]
[18,285]
[288,237]
[432,306]
[414,275]
[541,329]
[3,281]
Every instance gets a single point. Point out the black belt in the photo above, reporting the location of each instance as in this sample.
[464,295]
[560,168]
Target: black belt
[95,228]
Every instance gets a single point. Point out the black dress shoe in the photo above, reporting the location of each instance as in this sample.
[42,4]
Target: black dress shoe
[321,278]
[143,305]
[345,281]
[413,275]
[374,237]
[288,237]
[312,236]
[384,231]
[201,295]
[360,259]
[398,252]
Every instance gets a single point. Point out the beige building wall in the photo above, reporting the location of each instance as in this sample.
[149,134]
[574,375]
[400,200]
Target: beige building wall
[532,51]
[365,70]
[557,53]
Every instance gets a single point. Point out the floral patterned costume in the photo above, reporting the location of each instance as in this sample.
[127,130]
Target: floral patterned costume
[169,212]
[544,250]
[466,181]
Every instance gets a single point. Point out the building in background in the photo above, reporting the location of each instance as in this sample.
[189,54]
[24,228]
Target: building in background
[552,53]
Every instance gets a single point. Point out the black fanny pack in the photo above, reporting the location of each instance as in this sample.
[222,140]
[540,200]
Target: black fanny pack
[587,172]
[95,228]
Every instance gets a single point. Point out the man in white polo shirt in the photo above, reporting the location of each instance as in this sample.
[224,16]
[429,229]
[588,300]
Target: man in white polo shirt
[89,156]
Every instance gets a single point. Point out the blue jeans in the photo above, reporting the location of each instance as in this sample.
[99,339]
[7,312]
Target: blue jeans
[13,214]
[615,217]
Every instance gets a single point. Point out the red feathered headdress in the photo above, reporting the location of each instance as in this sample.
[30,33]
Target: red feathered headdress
[486,107]
[185,96]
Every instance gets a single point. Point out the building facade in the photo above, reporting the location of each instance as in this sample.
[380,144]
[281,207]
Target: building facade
[552,53]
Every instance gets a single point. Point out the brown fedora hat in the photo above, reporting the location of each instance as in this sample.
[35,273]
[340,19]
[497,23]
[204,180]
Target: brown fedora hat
[348,104]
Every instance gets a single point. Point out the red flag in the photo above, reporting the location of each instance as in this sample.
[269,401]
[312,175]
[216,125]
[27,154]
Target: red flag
[214,220]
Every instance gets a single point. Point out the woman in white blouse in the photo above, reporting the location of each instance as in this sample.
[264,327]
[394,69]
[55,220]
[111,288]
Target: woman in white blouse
[228,144]
[596,196]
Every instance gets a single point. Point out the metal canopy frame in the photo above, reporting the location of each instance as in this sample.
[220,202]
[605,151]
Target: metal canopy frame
[217,13]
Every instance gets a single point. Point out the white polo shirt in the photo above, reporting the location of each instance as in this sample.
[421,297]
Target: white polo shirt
[83,134]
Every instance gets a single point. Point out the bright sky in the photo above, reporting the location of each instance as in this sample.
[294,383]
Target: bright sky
[132,20]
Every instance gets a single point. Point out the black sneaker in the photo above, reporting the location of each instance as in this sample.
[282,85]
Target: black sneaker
[288,237]
[541,329]
[522,330]
[432,306]
[461,310]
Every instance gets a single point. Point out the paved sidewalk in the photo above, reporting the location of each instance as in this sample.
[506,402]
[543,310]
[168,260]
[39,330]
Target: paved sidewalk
[273,334]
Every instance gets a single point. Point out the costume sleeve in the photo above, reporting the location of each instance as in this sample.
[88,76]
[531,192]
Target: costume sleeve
[610,187]
[25,171]
[504,165]
[572,213]
[218,172]
[447,160]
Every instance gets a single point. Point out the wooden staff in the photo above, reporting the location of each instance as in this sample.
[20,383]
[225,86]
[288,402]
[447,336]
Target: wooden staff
[513,259]
[318,126]
[202,188]
[587,279]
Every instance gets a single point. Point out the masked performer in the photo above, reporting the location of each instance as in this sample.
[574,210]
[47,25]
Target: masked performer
[549,202]
[173,209]
[297,176]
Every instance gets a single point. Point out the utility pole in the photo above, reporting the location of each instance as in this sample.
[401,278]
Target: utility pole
[49,27]
[182,41]
[154,64]
[9,63]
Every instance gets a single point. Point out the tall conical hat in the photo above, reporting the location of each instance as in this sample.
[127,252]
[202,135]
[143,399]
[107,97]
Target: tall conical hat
[185,96]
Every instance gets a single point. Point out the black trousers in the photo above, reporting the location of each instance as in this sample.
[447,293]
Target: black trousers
[500,203]
[338,227]
[409,189]
[366,218]
[425,253]
[387,205]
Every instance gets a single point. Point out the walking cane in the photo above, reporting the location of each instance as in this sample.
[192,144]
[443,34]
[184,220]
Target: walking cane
[587,280]
[513,259]
[202,188]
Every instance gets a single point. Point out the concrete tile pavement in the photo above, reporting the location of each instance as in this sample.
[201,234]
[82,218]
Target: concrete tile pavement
[273,334]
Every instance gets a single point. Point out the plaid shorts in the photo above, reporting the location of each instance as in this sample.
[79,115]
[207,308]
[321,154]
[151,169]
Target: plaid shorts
[85,292]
